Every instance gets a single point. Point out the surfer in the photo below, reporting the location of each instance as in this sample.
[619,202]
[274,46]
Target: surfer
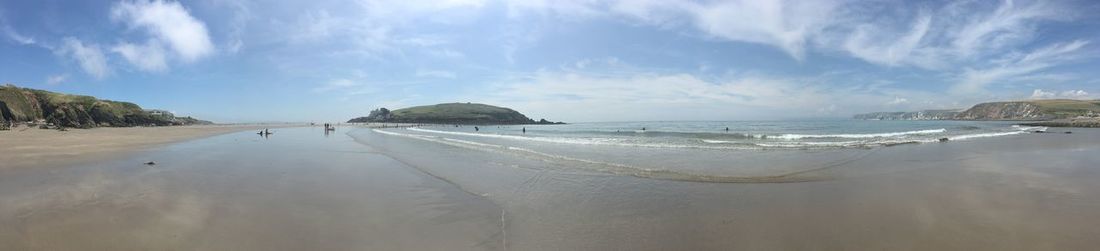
[476,129]
[525,130]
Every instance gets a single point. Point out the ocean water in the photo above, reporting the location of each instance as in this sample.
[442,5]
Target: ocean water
[734,135]
[757,151]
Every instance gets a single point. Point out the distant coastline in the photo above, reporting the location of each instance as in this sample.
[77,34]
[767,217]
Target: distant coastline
[451,113]
[1051,113]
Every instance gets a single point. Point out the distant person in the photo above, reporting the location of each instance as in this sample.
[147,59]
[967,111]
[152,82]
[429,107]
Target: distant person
[476,129]
[525,130]
[643,128]
[727,129]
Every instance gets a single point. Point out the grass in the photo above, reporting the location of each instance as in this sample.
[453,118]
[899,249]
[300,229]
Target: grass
[458,111]
[1063,108]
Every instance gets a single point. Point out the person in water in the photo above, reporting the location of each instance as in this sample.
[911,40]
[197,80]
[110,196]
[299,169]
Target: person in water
[476,129]
[525,130]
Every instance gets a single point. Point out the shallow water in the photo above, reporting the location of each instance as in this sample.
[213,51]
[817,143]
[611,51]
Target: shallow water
[366,189]
[741,135]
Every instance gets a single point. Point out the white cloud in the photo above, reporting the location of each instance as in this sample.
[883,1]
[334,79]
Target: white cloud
[15,36]
[167,21]
[789,26]
[147,57]
[1070,94]
[872,44]
[1009,23]
[57,79]
[1019,65]
[1040,94]
[570,95]
[1075,94]
[337,85]
[884,33]
[376,28]
[898,101]
[347,87]
[89,56]
[436,74]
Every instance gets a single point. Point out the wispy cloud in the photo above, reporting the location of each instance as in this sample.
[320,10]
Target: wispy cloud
[88,56]
[435,74]
[15,36]
[1017,65]
[56,79]
[147,57]
[648,95]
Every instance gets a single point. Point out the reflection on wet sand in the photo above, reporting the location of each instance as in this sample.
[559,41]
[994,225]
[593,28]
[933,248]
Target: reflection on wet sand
[361,190]
[224,194]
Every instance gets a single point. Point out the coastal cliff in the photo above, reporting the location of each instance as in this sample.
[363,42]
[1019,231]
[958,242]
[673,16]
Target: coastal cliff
[1010,110]
[918,115]
[25,105]
[1004,111]
[450,113]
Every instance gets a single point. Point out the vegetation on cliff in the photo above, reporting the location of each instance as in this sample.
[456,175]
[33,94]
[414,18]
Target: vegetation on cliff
[1011,110]
[21,105]
[450,113]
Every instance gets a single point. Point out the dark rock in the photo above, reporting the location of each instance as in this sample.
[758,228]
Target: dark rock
[150,163]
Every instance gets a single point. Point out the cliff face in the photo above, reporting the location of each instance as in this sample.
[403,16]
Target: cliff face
[450,113]
[1005,111]
[920,115]
[29,105]
[1012,110]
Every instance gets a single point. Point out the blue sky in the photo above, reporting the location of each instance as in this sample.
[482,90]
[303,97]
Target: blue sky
[582,60]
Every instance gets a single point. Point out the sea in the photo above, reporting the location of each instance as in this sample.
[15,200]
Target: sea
[718,151]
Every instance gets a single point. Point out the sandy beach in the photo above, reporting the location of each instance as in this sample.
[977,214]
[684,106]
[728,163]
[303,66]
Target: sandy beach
[32,147]
[360,189]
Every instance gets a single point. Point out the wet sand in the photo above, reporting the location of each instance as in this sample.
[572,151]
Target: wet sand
[32,147]
[295,190]
[360,190]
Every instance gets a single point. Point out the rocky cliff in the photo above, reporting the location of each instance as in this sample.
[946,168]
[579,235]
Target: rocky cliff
[20,105]
[919,115]
[450,113]
[1004,111]
[1011,110]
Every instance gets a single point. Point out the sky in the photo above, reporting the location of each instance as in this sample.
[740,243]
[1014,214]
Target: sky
[567,60]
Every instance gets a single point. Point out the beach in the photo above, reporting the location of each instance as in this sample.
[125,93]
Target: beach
[32,147]
[379,189]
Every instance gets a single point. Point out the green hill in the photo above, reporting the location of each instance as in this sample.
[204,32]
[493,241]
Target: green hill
[450,113]
[1032,110]
[20,105]
[1045,109]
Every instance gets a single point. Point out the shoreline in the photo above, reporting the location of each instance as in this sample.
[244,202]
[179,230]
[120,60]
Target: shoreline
[32,147]
[1072,123]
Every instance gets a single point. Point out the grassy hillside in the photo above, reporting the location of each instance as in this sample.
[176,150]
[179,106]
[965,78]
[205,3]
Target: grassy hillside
[30,105]
[1067,108]
[459,111]
[450,113]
